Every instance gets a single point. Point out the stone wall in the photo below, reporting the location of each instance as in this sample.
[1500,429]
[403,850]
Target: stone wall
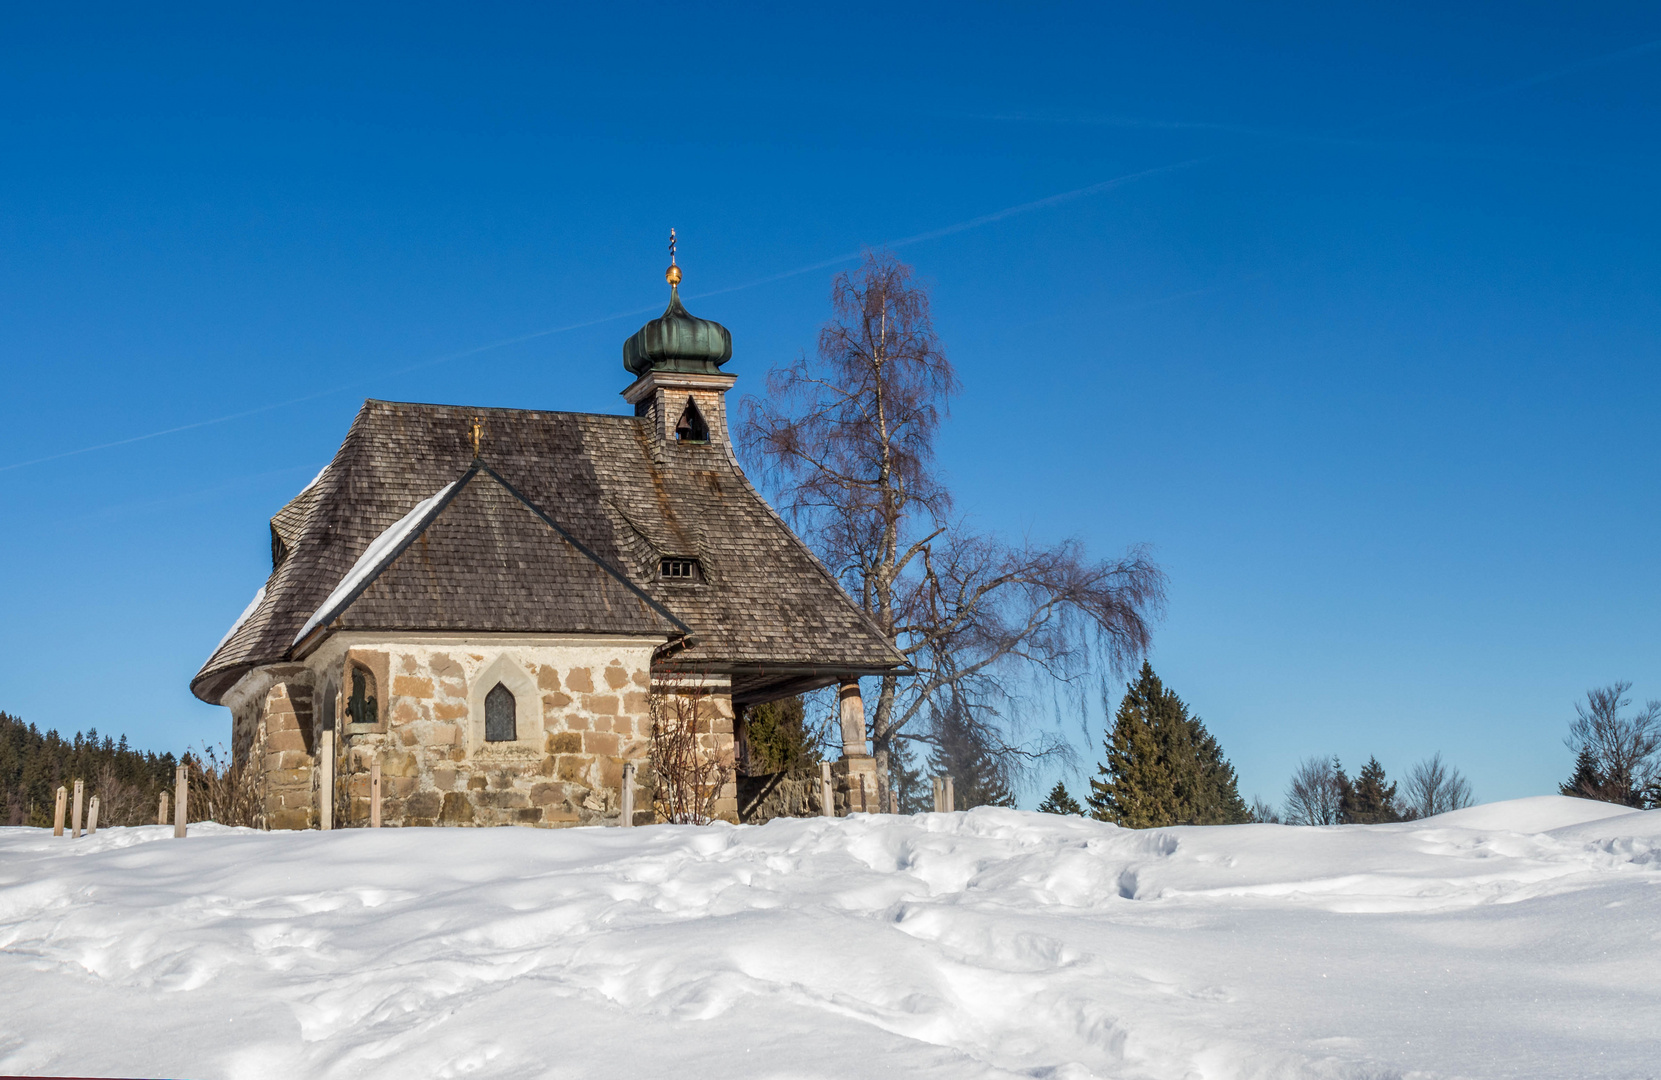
[793,793]
[705,701]
[272,732]
[582,709]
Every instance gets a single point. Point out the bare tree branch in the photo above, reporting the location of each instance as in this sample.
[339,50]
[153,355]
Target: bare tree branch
[848,438]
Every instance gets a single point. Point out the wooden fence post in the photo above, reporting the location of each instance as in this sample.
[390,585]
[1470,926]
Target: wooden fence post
[57,814]
[77,809]
[627,799]
[326,779]
[181,800]
[161,810]
[827,796]
[92,816]
[951,797]
[939,789]
[375,792]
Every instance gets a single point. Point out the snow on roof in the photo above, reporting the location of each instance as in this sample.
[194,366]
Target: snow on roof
[375,556]
[258,599]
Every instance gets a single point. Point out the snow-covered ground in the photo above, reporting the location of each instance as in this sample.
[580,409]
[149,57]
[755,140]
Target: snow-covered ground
[1515,939]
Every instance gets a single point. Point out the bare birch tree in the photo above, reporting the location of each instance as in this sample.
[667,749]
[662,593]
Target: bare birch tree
[848,437]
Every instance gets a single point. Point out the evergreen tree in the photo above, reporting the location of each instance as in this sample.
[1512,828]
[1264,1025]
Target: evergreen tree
[1587,782]
[1162,766]
[964,751]
[778,738]
[1368,800]
[913,794]
[1058,801]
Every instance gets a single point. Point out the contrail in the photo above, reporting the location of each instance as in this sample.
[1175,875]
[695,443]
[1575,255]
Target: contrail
[505,342]
[933,234]
[972,223]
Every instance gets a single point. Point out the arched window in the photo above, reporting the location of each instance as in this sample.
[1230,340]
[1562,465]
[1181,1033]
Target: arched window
[691,427]
[361,707]
[499,725]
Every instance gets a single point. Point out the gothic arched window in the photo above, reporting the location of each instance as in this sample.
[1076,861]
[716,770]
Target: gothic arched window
[691,427]
[499,725]
[361,707]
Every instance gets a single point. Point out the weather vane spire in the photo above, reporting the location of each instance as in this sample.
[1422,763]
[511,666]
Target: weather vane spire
[673,274]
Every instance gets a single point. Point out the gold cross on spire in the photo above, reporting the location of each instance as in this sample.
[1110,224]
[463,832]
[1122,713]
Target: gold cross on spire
[673,274]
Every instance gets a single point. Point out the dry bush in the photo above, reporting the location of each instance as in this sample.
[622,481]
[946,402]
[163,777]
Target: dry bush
[223,791]
[122,803]
[690,776]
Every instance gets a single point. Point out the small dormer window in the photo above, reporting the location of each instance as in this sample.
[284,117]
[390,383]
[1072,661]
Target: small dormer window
[682,570]
[691,427]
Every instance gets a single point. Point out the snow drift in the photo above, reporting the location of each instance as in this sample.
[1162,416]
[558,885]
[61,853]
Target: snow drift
[1516,939]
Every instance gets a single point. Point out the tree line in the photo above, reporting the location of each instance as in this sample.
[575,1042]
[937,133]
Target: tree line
[1163,768]
[33,764]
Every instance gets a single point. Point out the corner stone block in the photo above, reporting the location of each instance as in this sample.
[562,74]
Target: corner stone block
[284,739]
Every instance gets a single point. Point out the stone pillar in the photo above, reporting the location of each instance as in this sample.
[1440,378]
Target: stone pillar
[853,719]
[857,769]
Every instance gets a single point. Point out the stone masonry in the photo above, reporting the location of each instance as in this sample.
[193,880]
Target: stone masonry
[583,709]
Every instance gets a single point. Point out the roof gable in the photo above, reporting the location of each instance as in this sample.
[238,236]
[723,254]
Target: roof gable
[479,557]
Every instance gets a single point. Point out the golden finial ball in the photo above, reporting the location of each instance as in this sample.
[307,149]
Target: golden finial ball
[672,275]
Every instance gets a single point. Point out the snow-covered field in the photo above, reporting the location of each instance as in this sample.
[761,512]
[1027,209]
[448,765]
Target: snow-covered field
[1515,939]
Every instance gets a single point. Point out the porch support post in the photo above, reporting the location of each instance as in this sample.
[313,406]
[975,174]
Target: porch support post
[857,771]
[853,719]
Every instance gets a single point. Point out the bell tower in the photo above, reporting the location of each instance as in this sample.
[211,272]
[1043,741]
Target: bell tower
[676,360]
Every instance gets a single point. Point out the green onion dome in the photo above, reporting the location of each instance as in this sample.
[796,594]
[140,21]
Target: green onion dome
[678,341]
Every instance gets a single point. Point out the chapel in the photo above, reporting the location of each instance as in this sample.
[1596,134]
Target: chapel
[486,607]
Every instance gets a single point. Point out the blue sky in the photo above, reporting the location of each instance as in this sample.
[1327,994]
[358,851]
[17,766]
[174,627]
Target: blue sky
[1365,347]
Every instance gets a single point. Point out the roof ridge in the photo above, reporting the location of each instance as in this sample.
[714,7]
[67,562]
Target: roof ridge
[621,577]
[332,609]
[504,409]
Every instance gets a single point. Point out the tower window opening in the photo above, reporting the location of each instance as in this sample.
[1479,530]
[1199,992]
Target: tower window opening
[691,427]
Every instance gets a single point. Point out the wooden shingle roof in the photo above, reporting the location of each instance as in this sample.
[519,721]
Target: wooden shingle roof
[561,529]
